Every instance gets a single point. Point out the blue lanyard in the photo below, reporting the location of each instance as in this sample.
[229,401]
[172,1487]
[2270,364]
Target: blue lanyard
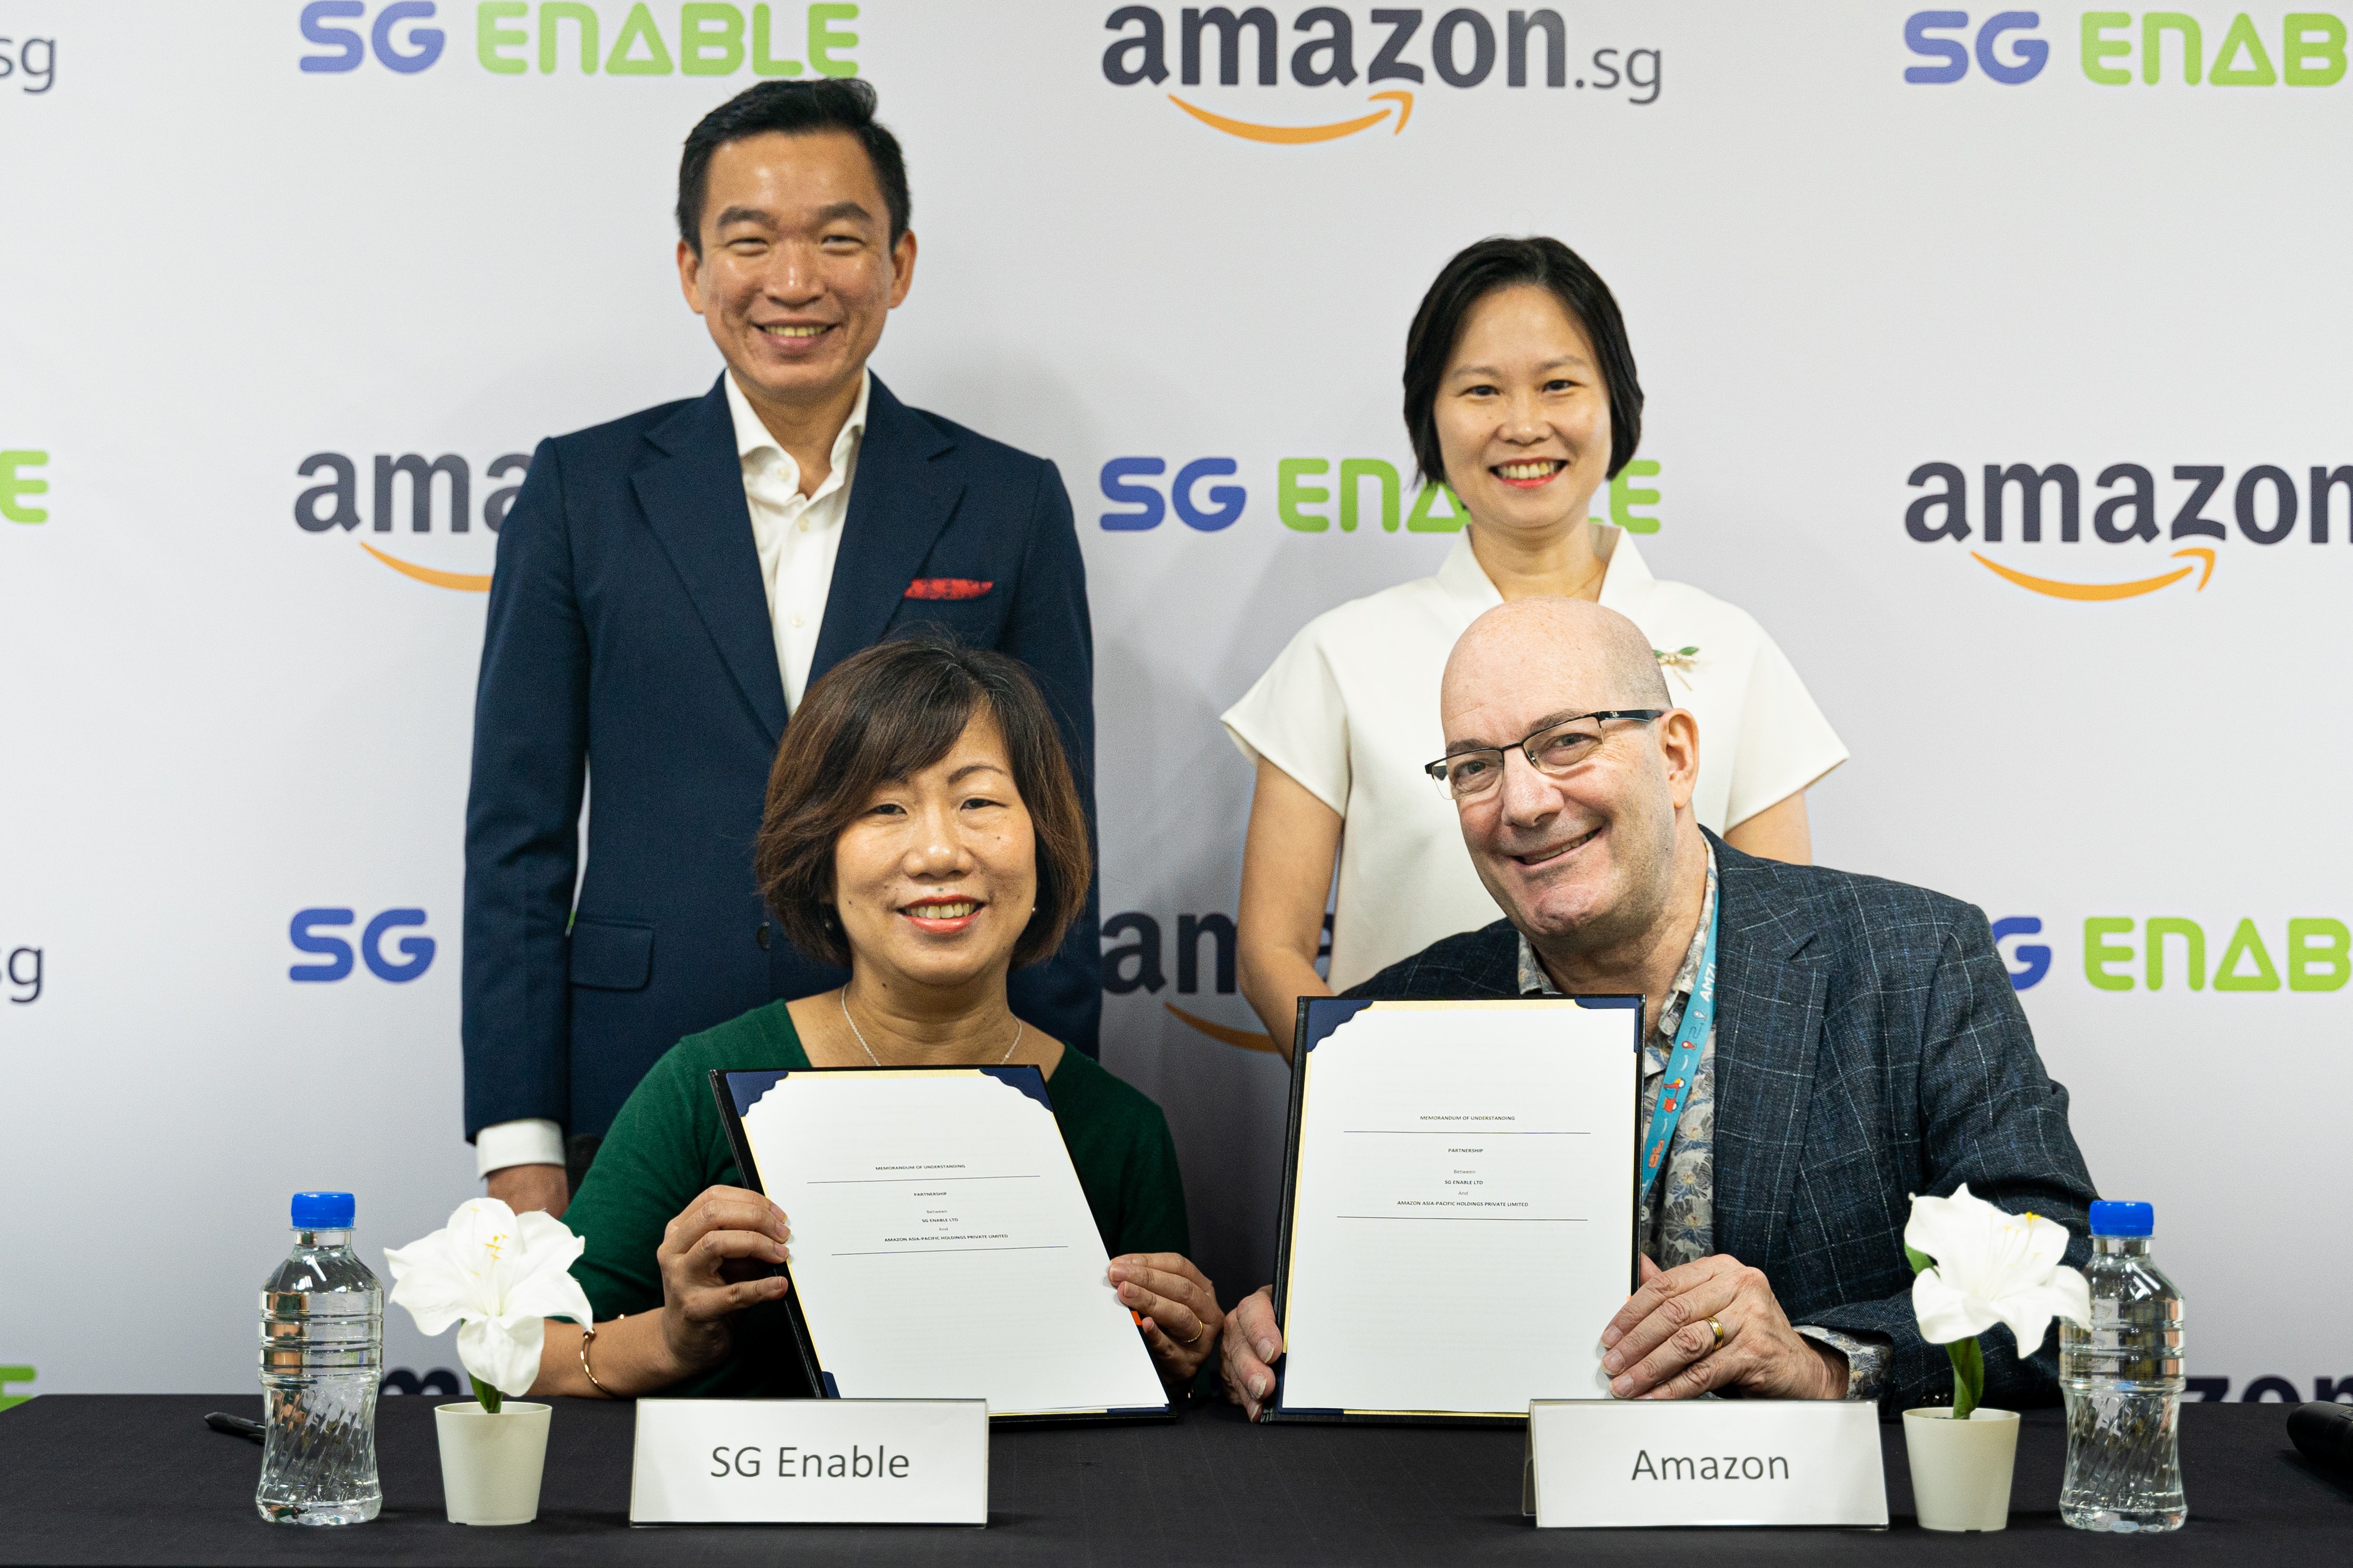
[1682,1062]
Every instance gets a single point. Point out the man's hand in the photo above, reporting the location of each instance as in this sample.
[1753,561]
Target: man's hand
[1252,1341]
[713,1258]
[1660,1347]
[525,1187]
[1181,1320]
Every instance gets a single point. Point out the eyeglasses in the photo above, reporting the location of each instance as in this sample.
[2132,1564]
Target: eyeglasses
[1555,750]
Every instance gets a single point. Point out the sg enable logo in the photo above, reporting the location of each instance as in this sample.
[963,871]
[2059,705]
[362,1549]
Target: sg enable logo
[2311,47]
[16,484]
[709,40]
[416,951]
[2315,955]
[1298,502]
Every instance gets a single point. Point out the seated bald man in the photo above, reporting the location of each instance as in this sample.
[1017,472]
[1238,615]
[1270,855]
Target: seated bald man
[1866,1044]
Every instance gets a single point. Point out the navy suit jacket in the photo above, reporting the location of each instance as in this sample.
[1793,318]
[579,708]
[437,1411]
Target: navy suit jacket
[630,654]
[1868,1045]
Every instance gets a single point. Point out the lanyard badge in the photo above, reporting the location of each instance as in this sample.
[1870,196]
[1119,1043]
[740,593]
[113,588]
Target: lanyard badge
[1682,1062]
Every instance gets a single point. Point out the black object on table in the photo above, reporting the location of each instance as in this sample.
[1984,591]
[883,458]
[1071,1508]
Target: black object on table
[2324,1434]
[136,1478]
[244,1426]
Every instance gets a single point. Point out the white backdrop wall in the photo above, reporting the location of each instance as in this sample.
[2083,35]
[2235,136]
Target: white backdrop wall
[219,260]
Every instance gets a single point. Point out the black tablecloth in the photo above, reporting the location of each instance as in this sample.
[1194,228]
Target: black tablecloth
[138,1478]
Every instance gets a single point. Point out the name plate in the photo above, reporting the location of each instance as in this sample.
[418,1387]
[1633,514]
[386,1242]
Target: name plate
[1611,1464]
[810,1461]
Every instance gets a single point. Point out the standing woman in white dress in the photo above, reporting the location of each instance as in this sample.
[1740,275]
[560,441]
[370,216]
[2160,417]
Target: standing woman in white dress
[1521,396]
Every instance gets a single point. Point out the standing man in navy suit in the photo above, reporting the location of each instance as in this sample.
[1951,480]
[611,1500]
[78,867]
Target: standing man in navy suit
[670,583]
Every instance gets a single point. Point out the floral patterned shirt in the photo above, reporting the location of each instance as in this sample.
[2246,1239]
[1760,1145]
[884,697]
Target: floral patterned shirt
[1677,1218]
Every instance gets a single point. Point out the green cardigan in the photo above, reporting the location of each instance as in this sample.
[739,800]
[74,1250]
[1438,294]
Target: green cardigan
[667,1145]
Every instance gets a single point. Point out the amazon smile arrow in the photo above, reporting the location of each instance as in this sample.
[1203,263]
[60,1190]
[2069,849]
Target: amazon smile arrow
[2096,591]
[1292,135]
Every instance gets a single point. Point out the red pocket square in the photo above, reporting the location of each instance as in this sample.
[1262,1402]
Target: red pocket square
[947,588]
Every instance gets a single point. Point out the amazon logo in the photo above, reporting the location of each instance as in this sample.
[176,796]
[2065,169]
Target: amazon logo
[418,505]
[2123,503]
[1136,957]
[1380,64]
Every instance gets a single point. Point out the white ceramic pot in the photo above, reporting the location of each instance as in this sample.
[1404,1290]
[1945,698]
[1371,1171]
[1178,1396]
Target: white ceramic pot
[490,1465]
[1961,1469]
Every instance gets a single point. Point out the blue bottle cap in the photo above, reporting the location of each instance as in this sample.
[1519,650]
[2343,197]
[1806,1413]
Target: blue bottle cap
[323,1211]
[2124,1219]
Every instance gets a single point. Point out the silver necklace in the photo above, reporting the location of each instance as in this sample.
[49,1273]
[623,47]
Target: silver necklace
[844,995]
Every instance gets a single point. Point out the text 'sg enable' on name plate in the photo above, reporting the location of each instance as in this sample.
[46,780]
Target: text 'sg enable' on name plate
[810,1461]
[1614,1464]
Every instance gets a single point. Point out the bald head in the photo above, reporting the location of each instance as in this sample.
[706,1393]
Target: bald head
[1595,657]
[1582,860]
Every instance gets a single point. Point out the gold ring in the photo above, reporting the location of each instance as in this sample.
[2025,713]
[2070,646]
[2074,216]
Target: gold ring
[1718,1329]
[1200,1328]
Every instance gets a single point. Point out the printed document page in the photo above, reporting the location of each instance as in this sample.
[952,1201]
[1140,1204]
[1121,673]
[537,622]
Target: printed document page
[941,1245]
[1463,1225]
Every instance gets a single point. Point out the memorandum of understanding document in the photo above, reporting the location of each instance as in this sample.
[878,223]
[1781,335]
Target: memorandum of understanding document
[941,1245]
[1462,1222]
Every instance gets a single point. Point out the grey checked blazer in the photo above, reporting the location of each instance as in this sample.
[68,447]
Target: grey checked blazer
[1869,1046]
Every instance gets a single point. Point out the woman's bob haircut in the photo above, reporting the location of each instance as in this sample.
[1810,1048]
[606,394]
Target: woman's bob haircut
[886,713]
[1499,263]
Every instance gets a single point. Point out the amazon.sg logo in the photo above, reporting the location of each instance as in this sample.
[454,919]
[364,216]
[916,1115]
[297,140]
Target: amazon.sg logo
[2196,511]
[425,518]
[1364,72]
[1139,957]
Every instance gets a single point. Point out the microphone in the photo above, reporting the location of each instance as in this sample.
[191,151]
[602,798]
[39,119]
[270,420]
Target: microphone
[2324,1431]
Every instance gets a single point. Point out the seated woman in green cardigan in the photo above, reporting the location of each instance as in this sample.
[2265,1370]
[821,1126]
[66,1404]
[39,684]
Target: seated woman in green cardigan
[923,830]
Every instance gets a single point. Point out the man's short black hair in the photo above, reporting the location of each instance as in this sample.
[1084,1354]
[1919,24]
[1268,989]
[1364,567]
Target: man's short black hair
[1477,272]
[793,108]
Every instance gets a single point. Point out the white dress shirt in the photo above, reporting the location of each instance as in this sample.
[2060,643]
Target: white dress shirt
[797,537]
[1350,710]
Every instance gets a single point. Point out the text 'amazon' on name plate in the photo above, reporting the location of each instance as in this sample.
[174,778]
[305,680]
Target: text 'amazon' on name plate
[1613,1464]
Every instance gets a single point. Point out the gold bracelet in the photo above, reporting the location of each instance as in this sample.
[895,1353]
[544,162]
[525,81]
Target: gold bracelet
[587,1333]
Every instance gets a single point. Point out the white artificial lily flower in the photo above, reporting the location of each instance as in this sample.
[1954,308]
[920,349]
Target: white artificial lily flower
[503,1275]
[1991,1266]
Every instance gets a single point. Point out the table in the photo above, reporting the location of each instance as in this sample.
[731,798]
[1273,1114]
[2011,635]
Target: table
[138,1478]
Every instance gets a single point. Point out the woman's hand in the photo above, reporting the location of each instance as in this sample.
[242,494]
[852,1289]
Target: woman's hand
[1253,1342]
[1181,1320]
[711,1258]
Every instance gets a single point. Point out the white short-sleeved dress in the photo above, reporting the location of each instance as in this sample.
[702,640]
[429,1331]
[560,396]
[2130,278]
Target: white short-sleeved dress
[1350,710]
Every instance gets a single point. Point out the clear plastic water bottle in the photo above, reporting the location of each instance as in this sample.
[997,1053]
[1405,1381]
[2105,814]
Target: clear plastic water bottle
[322,1364]
[2123,1380]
